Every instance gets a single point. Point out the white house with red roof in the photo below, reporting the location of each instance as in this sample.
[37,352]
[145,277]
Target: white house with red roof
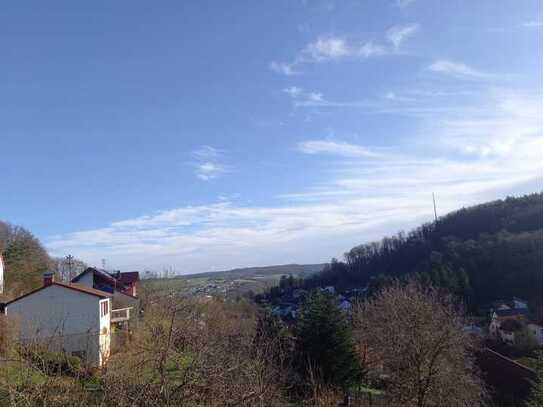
[67,317]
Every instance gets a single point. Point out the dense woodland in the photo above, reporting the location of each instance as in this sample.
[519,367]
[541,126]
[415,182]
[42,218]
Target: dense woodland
[481,253]
[25,260]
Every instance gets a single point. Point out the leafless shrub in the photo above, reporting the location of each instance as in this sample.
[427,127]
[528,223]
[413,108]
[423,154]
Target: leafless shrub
[415,339]
[193,351]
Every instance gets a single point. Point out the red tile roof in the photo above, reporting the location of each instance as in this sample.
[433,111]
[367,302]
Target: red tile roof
[129,277]
[71,286]
[83,289]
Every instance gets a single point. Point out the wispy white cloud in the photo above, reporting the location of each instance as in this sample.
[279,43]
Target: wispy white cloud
[397,34]
[457,69]
[533,24]
[301,97]
[208,163]
[337,148]
[404,3]
[284,68]
[334,48]
[489,149]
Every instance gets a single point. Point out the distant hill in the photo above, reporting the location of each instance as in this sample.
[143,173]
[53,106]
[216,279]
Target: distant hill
[298,270]
[481,253]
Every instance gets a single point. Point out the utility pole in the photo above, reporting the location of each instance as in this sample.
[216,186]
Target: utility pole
[103,264]
[70,264]
[435,210]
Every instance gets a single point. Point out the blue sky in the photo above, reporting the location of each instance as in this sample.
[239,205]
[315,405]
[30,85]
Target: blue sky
[203,136]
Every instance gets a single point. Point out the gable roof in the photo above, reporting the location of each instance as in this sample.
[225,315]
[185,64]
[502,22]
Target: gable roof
[96,271]
[72,286]
[511,312]
[129,277]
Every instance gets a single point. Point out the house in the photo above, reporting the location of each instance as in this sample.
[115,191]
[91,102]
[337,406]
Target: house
[109,281]
[66,317]
[345,305]
[508,318]
[122,287]
[537,330]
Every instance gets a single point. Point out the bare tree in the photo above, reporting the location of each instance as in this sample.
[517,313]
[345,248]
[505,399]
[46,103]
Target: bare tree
[196,351]
[414,338]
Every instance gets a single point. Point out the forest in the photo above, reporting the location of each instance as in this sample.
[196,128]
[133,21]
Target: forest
[481,253]
[25,261]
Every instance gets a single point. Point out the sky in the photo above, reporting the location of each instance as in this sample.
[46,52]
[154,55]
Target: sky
[204,135]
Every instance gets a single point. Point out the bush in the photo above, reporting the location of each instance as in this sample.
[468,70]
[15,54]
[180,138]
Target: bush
[52,363]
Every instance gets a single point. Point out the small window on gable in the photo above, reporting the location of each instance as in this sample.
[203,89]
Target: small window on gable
[104,308]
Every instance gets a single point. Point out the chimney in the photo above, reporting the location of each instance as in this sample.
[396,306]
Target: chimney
[48,278]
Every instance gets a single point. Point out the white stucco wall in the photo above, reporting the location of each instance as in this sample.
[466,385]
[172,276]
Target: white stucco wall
[537,331]
[65,319]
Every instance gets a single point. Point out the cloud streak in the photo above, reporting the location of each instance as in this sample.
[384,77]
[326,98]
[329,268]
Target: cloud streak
[327,48]
[398,34]
[208,163]
[337,148]
[458,69]
[464,157]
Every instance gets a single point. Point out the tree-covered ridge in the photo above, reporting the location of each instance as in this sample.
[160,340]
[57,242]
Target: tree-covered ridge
[481,253]
[25,261]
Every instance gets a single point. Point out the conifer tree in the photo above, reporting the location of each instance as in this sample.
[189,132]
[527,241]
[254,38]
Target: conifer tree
[536,396]
[324,342]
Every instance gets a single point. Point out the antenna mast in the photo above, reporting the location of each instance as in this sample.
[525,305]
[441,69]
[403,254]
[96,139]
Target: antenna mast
[435,210]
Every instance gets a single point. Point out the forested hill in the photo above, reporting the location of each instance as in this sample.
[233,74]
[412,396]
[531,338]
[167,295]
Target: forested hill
[26,260]
[481,253]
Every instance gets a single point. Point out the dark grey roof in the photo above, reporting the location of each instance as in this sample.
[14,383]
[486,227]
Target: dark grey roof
[511,312]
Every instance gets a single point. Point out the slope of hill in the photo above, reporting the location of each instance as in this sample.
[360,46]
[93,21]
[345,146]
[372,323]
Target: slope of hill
[298,270]
[481,253]
[232,282]
[24,257]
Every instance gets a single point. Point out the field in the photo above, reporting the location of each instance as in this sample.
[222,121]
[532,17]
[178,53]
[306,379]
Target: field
[230,283]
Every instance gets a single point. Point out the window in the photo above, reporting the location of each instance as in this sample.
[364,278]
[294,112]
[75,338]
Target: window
[104,308]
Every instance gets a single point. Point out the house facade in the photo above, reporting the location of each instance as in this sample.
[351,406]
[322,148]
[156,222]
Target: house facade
[66,317]
[122,286]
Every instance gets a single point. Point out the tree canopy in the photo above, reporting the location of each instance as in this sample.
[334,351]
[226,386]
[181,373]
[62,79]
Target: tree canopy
[481,253]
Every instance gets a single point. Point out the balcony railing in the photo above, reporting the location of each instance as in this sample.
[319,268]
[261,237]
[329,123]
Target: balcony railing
[120,315]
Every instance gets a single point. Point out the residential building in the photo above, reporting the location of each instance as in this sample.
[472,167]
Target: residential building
[65,317]
[122,287]
[498,318]
[537,330]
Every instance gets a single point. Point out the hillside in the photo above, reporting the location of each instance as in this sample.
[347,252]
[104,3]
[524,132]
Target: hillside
[24,257]
[480,253]
[299,270]
[26,260]
[233,282]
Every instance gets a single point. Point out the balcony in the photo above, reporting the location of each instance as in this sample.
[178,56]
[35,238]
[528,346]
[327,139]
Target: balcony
[120,315]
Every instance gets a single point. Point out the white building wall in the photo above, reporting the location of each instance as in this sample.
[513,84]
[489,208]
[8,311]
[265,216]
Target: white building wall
[537,331]
[105,333]
[65,319]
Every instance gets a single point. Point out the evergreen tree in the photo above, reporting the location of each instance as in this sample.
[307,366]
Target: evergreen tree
[325,344]
[536,396]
